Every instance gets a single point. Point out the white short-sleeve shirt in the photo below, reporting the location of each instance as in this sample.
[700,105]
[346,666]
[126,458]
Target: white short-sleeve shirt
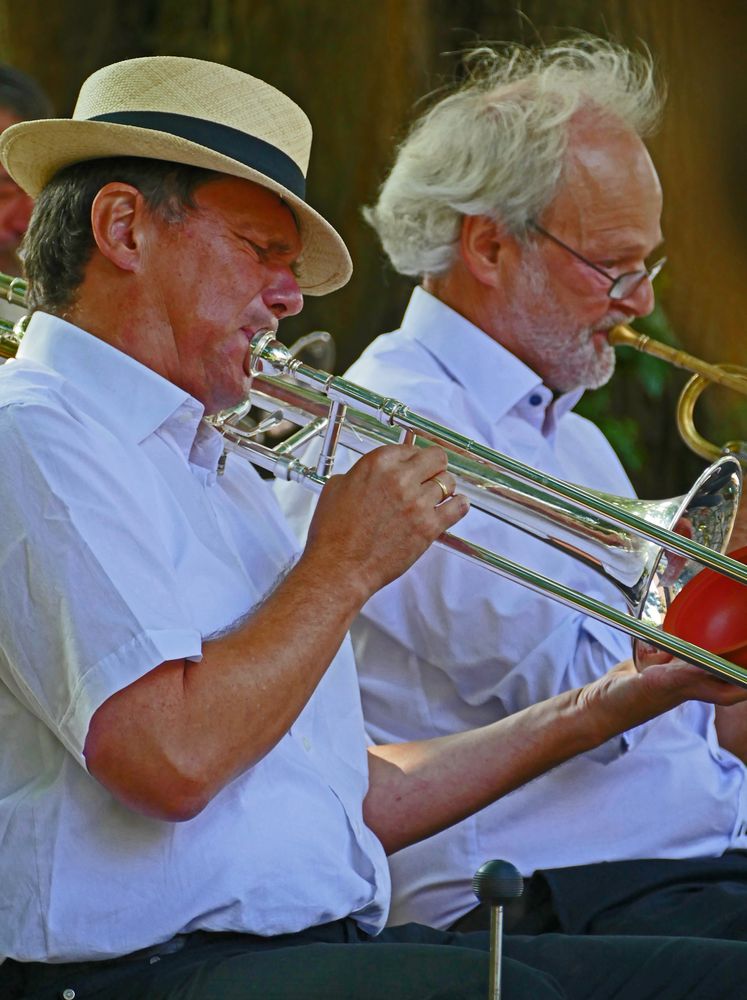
[120,547]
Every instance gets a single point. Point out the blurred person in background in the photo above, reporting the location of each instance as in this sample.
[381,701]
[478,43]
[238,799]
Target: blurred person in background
[21,99]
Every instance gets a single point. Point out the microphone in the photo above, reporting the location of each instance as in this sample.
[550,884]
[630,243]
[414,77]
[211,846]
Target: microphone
[496,883]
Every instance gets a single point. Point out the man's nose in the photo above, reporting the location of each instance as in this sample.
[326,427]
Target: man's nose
[640,300]
[283,296]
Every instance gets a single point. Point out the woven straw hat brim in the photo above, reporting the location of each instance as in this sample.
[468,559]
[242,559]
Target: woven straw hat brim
[34,151]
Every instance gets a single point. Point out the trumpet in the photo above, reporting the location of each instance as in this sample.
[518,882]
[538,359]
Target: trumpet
[703,375]
[648,550]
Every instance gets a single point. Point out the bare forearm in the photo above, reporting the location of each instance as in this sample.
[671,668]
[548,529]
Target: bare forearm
[189,728]
[417,789]
[258,678]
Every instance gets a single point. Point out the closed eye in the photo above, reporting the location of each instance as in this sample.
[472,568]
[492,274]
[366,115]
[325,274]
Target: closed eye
[273,255]
[261,253]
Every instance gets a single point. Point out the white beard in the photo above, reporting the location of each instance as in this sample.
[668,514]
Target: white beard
[565,358]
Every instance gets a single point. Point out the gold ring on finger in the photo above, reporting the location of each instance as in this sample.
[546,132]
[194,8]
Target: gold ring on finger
[444,492]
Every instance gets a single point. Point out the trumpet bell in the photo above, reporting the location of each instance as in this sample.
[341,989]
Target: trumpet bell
[686,417]
[732,377]
[711,611]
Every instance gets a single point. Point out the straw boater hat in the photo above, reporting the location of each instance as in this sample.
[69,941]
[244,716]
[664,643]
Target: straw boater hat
[194,112]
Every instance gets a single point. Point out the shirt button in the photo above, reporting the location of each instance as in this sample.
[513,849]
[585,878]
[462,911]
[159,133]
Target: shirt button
[306,743]
[535,399]
[68,995]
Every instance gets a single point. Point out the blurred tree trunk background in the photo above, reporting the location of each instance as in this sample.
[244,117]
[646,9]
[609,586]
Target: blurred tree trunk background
[358,69]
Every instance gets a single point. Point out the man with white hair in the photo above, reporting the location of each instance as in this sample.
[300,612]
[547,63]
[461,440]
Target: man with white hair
[528,208]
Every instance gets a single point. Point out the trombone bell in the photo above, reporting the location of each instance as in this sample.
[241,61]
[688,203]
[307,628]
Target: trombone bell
[710,612]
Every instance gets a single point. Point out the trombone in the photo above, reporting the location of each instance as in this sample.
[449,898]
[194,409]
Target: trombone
[647,549]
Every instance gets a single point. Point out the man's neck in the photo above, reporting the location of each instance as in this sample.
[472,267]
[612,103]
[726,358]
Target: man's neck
[459,290]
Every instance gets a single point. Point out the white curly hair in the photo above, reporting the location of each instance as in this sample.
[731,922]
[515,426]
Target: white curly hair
[496,146]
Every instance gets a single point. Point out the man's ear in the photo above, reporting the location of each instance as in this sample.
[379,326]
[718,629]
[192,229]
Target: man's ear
[118,214]
[481,242]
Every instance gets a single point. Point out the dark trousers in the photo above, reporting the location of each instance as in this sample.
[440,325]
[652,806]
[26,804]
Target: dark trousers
[694,897]
[337,962]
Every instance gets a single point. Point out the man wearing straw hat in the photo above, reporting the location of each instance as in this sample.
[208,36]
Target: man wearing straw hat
[528,207]
[187,805]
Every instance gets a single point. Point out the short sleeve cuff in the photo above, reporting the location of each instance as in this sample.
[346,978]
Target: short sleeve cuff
[116,671]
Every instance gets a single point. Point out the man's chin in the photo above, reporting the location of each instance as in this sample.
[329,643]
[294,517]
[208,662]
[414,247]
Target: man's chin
[592,374]
[601,374]
[219,404]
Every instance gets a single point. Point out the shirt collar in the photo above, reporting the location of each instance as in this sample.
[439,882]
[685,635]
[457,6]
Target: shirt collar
[482,366]
[130,399]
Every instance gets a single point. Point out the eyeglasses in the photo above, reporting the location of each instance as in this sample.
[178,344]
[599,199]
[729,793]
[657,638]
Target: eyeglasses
[621,286]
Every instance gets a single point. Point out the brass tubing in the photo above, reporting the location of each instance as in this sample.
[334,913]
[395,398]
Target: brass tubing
[623,336]
[274,358]
[288,469]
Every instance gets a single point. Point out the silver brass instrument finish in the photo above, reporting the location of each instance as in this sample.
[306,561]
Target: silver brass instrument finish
[12,290]
[630,542]
[637,545]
